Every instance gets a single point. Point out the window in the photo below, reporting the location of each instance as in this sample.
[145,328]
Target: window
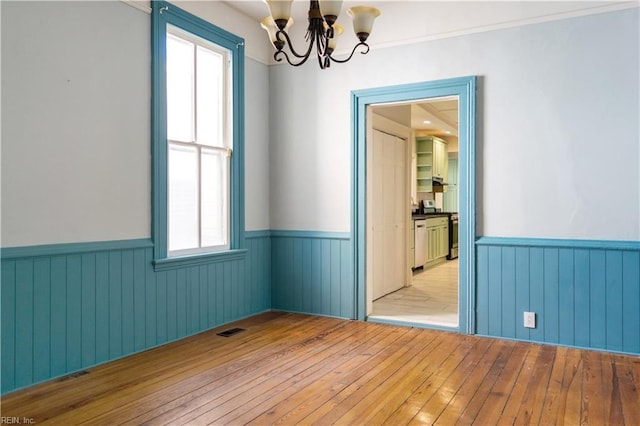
[199,143]
[197,135]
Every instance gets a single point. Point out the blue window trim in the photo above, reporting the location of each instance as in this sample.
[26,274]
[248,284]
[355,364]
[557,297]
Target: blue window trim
[164,13]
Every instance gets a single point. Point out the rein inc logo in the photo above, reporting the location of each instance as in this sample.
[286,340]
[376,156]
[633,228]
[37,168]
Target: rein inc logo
[17,420]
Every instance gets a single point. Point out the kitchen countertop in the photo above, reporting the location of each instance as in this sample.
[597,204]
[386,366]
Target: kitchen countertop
[428,215]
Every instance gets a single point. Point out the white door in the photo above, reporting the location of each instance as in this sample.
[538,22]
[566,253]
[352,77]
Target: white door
[387,219]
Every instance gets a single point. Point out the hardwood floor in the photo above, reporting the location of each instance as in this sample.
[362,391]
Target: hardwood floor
[297,369]
[431,299]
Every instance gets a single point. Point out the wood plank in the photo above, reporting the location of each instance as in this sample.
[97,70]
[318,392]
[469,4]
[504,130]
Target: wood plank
[195,374]
[550,323]
[286,388]
[503,404]
[613,400]
[487,405]
[409,374]
[529,411]
[573,384]
[300,369]
[564,376]
[456,367]
[629,380]
[41,319]
[339,404]
[295,408]
[8,322]
[554,388]
[630,301]
[614,302]
[456,382]
[231,395]
[160,362]
[592,388]
[431,362]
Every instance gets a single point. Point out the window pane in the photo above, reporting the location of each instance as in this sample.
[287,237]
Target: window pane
[214,198]
[180,79]
[210,97]
[183,197]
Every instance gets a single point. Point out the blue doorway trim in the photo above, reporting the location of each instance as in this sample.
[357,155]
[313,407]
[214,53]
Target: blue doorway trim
[465,89]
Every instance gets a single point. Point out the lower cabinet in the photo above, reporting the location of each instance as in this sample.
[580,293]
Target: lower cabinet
[437,238]
[429,245]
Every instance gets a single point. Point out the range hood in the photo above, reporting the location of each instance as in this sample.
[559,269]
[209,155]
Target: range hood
[438,184]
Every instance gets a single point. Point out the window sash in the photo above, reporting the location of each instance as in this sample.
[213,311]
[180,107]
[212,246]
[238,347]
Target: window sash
[201,245]
[226,84]
[201,242]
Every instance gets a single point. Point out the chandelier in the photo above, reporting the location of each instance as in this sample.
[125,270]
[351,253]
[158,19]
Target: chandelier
[321,32]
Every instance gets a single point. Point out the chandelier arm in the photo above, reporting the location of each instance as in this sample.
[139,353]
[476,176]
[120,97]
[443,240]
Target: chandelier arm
[283,53]
[290,44]
[342,61]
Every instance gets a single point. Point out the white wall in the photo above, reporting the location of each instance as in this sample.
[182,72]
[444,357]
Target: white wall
[75,122]
[76,88]
[256,157]
[257,44]
[558,136]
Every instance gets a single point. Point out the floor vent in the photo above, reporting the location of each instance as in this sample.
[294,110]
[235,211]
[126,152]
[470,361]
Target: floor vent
[231,332]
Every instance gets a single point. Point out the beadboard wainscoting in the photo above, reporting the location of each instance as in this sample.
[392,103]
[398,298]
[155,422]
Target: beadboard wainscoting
[312,272]
[584,293]
[67,307]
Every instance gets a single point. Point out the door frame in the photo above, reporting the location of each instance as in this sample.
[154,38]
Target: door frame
[465,89]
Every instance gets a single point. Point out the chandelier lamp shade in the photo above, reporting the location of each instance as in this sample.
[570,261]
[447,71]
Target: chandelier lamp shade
[322,31]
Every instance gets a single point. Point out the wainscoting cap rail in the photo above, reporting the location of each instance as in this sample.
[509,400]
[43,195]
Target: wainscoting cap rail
[280,233]
[73,248]
[558,243]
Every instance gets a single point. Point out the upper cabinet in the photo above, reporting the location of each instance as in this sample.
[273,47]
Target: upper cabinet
[440,160]
[424,165]
[450,198]
[431,161]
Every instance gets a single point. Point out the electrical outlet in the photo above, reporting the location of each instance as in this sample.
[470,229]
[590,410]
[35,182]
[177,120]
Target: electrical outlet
[530,319]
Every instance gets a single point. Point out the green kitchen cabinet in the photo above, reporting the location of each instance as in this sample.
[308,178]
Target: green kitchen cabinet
[437,239]
[431,161]
[424,165]
[450,197]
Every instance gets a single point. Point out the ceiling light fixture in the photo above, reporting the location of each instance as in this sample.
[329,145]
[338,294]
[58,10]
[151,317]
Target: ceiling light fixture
[321,32]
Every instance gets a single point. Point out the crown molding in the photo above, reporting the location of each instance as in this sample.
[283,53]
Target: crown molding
[138,4]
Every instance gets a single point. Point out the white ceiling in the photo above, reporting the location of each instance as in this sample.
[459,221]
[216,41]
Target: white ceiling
[435,116]
[410,21]
[257,9]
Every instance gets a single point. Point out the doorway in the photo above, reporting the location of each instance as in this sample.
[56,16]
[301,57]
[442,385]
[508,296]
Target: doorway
[464,88]
[411,163]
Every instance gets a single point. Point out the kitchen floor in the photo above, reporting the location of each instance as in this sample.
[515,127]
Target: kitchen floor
[432,299]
